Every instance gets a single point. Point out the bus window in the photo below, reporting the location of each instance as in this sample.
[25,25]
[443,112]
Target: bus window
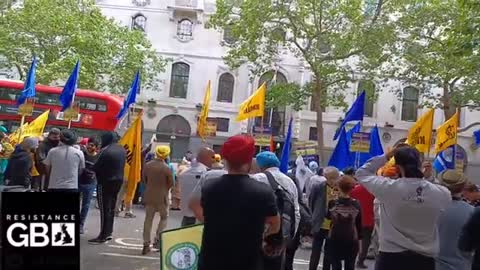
[48,99]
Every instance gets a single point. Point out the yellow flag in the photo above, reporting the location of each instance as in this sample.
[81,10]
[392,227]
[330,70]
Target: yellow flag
[33,129]
[254,106]
[447,134]
[420,134]
[132,142]
[202,119]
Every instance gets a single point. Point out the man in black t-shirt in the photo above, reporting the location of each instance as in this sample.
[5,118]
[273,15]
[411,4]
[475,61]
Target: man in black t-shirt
[237,212]
[87,181]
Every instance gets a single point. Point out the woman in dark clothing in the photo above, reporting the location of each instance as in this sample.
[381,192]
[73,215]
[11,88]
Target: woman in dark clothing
[346,226]
[19,168]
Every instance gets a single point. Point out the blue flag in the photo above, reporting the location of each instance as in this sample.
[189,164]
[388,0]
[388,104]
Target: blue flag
[131,96]
[376,148]
[445,160]
[355,113]
[476,135]
[68,94]
[29,86]
[341,154]
[355,129]
[286,149]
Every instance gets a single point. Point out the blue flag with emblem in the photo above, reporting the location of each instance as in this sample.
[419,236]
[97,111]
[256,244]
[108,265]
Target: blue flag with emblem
[29,86]
[355,113]
[131,96]
[445,159]
[286,149]
[68,94]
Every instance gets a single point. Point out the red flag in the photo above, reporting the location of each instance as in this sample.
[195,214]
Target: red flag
[272,144]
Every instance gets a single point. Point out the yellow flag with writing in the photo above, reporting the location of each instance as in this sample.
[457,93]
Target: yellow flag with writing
[32,129]
[420,134]
[132,142]
[202,119]
[254,106]
[447,134]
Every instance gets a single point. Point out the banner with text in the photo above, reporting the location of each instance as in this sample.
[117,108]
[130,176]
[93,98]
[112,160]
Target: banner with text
[181,247]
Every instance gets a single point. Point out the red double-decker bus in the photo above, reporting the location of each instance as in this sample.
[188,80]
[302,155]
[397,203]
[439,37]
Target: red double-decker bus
[98,110]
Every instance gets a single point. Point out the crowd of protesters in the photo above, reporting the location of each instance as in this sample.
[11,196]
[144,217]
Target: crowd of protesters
[394,209]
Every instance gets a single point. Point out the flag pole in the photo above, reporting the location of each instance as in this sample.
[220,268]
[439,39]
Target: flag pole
[69,123]
[22,121]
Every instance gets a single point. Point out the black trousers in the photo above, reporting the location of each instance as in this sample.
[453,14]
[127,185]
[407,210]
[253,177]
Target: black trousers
[107,199]
[365,243]
[37,183]
[277,263]
[343,251]
[290,252]
[188,221]
[403,260]
[318,239]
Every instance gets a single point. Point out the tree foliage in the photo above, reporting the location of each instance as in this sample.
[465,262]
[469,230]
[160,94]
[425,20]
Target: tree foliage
[59,32]
[438,52]
[335,40]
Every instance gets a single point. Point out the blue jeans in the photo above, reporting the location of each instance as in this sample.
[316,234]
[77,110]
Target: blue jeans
[86,191]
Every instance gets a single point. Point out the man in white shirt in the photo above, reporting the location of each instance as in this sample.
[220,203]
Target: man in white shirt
[64,163]
[189,180]
[269,164]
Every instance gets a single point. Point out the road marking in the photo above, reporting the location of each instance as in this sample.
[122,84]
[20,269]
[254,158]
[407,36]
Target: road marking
[121,241]
[130,256]
[302,262]
[125,247]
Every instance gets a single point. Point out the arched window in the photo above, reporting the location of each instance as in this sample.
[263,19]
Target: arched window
[228,36]
[139,22]
[226,82]
[277,114]
[279,34]
[369,88]
[179,80]
[410,104]
[185,29]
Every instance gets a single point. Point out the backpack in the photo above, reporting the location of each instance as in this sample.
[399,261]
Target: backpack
[343,226]
[276,244]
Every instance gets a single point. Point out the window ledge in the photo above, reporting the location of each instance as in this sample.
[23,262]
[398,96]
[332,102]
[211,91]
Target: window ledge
[183,40]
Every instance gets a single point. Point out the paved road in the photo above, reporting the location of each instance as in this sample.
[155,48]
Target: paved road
[124,251]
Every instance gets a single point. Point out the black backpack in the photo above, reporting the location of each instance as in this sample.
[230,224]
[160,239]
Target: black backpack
[343,227]
[275,244]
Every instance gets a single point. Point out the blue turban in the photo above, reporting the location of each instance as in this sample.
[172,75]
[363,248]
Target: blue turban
[267,159]
[3,129]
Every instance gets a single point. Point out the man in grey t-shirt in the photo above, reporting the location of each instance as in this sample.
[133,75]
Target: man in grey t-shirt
[64,163]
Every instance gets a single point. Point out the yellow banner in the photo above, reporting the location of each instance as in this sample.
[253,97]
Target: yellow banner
[33,129]
[202,119]
[254,106]
[447,134]
[132,142]
[181,247]
[420,134]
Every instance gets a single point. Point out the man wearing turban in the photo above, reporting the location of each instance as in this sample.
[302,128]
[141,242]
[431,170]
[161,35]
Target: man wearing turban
[235,209]
[269,165]
[158,180]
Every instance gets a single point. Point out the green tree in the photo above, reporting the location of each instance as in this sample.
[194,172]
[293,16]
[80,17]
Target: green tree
[59,32]
[335,39]
[438,51]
